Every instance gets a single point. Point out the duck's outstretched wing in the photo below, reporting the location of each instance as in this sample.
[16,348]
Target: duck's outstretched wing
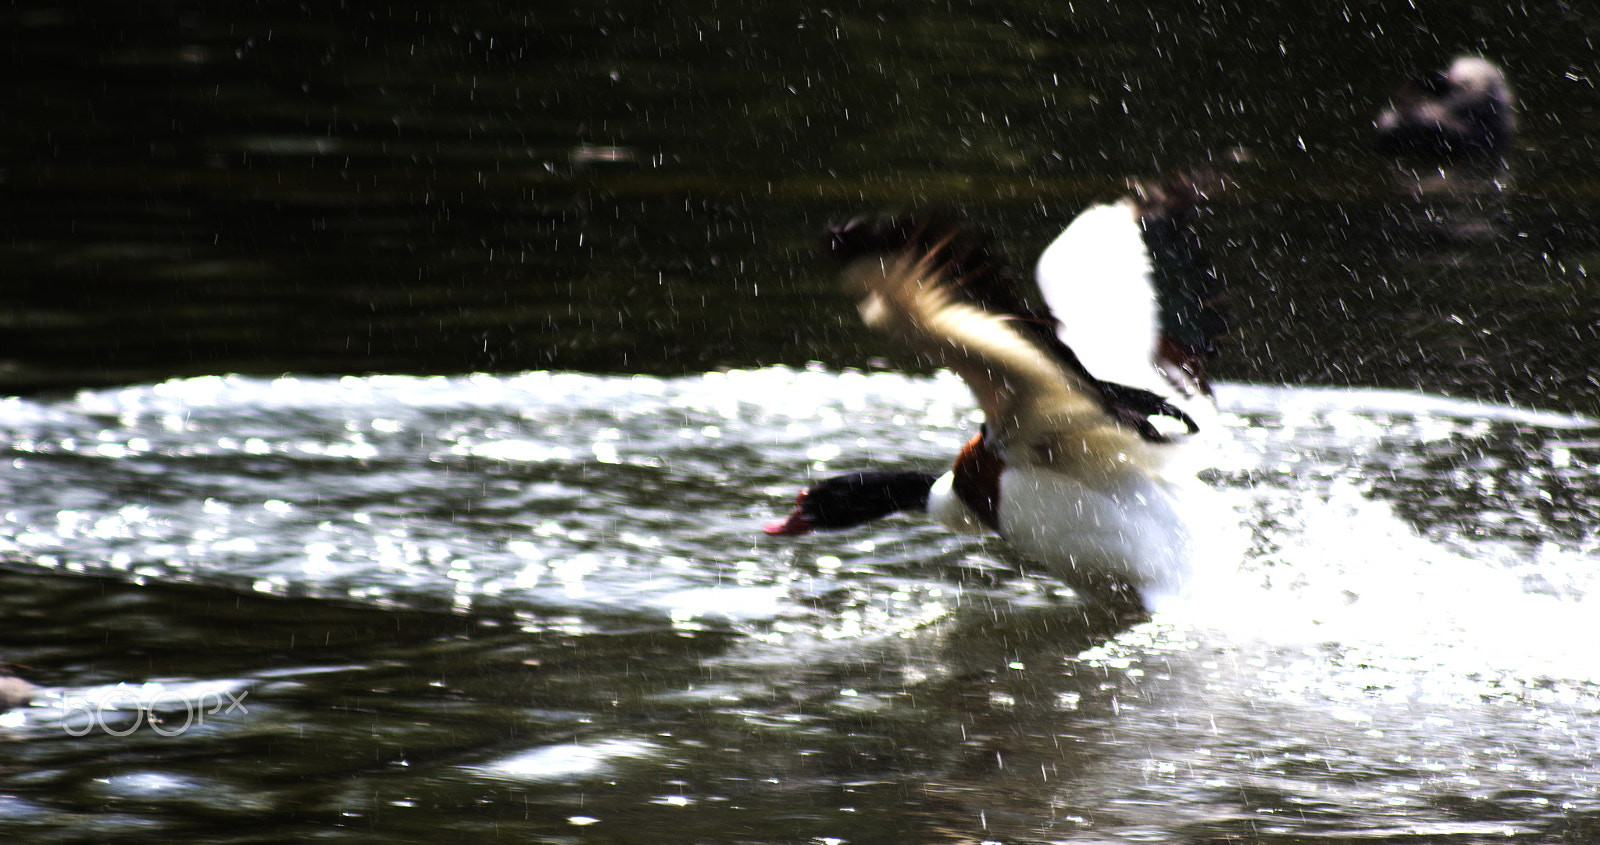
[945,295]
[1134,292]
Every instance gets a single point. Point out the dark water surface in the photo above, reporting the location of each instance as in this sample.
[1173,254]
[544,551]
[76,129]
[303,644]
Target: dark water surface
[384,600]
[198,189]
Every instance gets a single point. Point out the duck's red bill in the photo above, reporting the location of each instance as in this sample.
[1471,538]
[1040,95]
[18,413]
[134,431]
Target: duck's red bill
[795,525]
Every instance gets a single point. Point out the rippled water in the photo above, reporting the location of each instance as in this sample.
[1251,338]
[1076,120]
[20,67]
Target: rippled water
[540,607]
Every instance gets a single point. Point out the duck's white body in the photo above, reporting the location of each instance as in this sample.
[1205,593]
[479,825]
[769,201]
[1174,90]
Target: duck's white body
[1125,530]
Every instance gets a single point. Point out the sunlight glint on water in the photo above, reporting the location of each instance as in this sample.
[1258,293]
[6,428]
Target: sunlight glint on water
[496,486]
[1408,617]
[643,495]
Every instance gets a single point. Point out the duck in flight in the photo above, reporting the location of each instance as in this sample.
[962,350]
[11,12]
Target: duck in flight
[1088,402]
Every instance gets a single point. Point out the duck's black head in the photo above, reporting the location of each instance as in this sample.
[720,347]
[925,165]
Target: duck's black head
[849,500]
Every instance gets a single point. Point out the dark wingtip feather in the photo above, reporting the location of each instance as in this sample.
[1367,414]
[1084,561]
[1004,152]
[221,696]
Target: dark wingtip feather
[977,274]
[1190,294]
[1177,196]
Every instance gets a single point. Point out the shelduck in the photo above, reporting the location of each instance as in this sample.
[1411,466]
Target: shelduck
[1467,110]
[1078,465]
